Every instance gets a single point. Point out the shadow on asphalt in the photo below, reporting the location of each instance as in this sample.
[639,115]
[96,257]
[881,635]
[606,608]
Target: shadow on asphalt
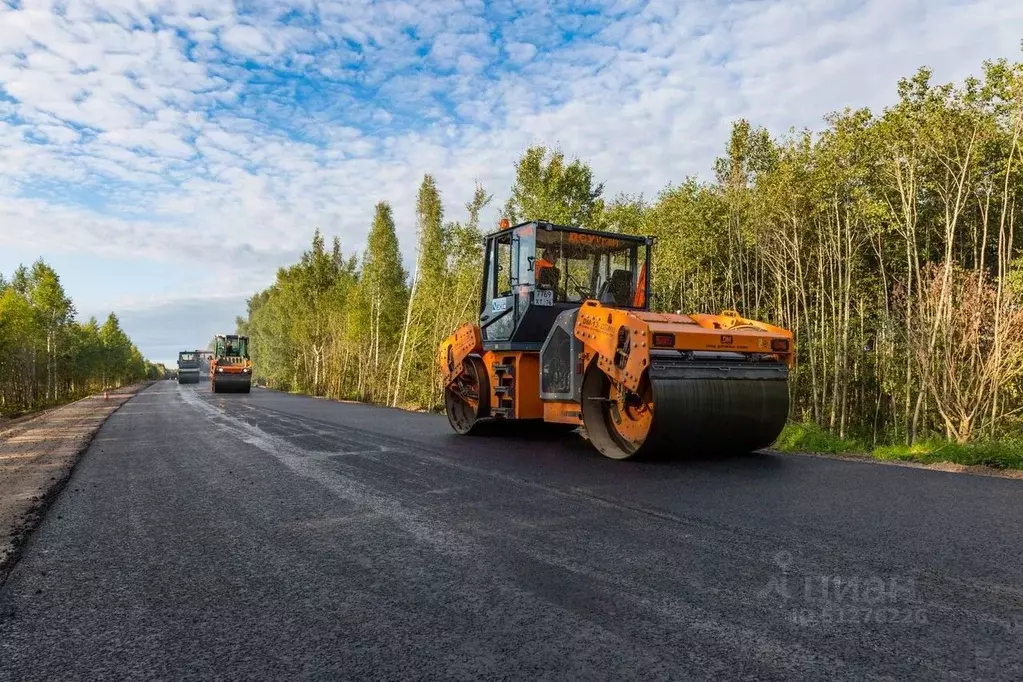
[512,441]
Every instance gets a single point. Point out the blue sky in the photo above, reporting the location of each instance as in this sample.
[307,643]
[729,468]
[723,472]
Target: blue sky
[167,155]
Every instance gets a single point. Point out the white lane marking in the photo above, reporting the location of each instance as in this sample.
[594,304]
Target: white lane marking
[305,464]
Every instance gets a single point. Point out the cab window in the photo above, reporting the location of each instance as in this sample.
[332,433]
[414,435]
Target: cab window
[503,263]
[580,266]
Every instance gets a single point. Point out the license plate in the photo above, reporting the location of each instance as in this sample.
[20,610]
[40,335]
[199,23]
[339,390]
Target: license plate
[543,297]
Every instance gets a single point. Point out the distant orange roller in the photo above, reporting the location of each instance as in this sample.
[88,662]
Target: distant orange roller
[231,368]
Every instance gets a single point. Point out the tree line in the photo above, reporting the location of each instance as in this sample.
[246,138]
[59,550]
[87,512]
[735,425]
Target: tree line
[47,356]
[885,241]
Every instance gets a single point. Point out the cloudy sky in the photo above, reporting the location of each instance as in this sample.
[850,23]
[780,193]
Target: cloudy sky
[167,155]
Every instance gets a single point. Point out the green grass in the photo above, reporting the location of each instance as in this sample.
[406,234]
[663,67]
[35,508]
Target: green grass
[803,437]
[999,454]
[1004,454]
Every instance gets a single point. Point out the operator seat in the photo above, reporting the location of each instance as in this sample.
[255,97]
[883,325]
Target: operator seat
[621,287]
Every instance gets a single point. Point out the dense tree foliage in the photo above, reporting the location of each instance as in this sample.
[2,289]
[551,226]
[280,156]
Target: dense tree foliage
[358,328]
[886,242]
[47,357]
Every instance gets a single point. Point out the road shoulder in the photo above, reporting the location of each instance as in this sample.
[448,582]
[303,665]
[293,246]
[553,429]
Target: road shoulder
[946,467]
[37,456]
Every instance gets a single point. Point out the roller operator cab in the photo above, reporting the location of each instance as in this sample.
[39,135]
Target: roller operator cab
[230,367]
[565,337]
[188,367]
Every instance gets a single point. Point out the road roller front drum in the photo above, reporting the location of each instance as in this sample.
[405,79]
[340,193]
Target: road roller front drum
[713,411]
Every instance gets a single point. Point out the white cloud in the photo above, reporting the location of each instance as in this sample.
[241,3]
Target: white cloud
[245,40]
[168,145]
[520,53]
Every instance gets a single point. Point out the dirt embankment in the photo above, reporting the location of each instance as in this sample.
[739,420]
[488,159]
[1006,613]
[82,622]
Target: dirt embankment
[37,455]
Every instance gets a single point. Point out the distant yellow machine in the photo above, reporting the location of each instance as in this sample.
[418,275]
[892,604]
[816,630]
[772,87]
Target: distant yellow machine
[565,336]
[230,367]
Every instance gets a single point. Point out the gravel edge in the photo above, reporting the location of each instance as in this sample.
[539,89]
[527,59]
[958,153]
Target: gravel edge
[30,519]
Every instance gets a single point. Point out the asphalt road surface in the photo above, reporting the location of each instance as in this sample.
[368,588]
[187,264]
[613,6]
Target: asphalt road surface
[269,536]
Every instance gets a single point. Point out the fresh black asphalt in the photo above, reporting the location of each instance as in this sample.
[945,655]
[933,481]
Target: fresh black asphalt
[270,536]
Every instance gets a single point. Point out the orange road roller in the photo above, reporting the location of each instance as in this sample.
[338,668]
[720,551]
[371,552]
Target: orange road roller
[230,367]
[566,336]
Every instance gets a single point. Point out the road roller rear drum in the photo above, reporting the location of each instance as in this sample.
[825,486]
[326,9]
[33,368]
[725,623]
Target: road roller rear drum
[467,398]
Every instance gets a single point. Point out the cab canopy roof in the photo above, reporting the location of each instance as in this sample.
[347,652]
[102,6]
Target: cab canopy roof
[553,227]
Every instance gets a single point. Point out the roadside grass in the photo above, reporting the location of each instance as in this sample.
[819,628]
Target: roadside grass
[1004,454]
[1000,454]
[803,437]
